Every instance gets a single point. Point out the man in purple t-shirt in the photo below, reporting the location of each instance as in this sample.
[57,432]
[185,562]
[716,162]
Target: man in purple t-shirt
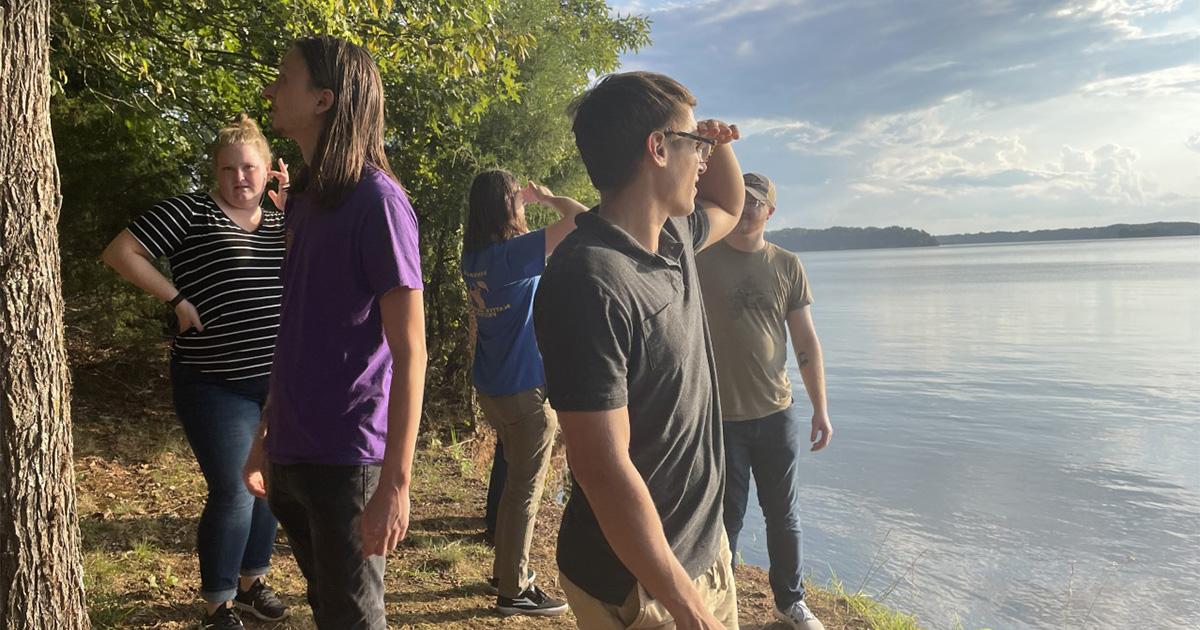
[335,455]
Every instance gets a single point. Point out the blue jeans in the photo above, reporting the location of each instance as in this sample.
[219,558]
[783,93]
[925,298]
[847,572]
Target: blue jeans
[236,533]
[771,448]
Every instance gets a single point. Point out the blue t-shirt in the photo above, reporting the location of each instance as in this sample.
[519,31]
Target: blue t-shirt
[501,281]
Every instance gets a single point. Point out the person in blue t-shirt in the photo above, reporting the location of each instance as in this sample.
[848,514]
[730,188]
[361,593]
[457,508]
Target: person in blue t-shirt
[501,264]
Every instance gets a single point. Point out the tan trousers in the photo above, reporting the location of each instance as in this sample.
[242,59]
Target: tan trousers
[525,424]
[716,588]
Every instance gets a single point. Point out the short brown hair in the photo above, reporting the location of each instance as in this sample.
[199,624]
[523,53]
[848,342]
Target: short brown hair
[612,120]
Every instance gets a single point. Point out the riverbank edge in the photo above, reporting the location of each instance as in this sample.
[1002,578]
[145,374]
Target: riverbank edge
[140,494]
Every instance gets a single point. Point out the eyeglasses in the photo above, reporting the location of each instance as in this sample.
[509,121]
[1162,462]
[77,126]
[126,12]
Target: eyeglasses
[752,202]
[704,146]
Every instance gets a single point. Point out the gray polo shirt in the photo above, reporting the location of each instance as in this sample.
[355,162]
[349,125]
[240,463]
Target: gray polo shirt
[619,326]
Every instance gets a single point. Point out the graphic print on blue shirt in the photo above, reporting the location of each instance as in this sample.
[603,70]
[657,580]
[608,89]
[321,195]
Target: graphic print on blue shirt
[502,280]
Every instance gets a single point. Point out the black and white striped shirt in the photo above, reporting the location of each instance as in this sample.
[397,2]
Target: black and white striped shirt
[230,275]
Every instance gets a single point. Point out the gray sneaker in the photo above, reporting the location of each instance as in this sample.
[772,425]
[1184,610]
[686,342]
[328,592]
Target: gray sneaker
[798,616]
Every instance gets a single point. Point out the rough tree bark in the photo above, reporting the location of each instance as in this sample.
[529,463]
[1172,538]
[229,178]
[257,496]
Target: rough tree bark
[41,578]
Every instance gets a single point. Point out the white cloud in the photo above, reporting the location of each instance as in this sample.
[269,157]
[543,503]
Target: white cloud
[838,62]
[801,136]
[649,7]
[1075,161]
[1118,13]
[1193,142]
[982,115]
[917,153]
[1180,80]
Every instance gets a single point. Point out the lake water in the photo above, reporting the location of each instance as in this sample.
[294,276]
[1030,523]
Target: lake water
[1016,433]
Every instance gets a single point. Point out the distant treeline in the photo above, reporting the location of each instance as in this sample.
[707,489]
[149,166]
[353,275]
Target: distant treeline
[1120,230]
[805,240]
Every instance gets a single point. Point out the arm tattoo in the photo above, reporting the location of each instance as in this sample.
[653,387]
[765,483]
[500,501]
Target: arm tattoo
[802,359]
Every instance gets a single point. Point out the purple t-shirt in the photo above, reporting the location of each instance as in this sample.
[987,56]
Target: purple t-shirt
[333,368]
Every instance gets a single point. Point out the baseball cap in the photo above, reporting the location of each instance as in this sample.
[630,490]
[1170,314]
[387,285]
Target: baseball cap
[759,187]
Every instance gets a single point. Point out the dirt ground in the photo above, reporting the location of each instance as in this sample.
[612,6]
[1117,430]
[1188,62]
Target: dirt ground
[140,494]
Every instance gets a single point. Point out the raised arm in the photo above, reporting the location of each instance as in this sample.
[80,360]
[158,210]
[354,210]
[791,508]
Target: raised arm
[598,454]
[720,192]
[385,518]
[133,261]
[565,206]
[812,371]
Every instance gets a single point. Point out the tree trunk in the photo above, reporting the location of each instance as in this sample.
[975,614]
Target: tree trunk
[41,578]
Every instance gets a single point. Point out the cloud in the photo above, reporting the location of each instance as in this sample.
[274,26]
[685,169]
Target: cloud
[649,7]
[918,154]
[1193,142]
[801,136]
[838,63]
[1118,13]
[973,115]
[1076,161]
[1181,80]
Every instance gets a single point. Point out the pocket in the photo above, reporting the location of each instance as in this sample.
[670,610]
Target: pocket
[370,480]
[662,333]
[651,612]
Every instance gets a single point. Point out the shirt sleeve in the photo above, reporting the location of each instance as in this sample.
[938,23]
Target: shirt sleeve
[698,224]
[799,294]
[519,258]
[390,251]
[584,338]
[162,229]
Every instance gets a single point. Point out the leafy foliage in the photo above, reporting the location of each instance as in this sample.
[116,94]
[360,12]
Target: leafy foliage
[142,85]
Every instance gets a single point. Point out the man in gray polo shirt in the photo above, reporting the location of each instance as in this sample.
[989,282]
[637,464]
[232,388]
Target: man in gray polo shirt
[629,363]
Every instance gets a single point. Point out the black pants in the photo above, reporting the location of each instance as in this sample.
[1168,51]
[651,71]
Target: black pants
[319,508]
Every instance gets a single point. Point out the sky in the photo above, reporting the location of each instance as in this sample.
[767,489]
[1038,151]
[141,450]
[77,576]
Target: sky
[949,116]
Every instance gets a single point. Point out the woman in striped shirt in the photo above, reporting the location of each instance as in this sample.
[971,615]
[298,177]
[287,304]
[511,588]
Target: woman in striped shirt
[225,253]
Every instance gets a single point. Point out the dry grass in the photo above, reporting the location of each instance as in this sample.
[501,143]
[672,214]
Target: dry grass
[140,494]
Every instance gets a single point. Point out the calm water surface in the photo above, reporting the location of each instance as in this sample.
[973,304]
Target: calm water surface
[1017,433]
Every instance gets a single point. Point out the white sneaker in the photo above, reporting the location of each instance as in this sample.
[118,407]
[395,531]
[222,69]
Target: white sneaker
[798,616]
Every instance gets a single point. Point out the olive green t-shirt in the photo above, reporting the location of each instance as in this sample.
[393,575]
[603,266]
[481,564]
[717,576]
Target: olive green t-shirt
[748,296]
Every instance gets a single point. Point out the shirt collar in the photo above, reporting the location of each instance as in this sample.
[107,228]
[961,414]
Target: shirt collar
[670,249]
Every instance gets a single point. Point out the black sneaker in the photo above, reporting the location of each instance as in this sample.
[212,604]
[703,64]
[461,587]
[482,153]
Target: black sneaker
[532,602]
[493,587]
[222,618]
[261,602]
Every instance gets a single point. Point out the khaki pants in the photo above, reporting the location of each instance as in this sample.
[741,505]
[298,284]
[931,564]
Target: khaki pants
[525,424]
[716,587]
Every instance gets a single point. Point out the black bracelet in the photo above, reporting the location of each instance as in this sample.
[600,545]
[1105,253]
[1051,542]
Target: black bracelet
[179,297]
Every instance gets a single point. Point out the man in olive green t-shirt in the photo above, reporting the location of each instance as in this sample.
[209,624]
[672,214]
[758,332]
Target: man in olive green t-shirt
[755,293]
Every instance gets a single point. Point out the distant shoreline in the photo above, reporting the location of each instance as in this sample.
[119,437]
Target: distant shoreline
[1119,230]
[842,238]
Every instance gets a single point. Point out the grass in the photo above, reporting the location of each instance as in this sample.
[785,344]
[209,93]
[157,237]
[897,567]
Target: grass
[876,615]
[105,608]
[140,494]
